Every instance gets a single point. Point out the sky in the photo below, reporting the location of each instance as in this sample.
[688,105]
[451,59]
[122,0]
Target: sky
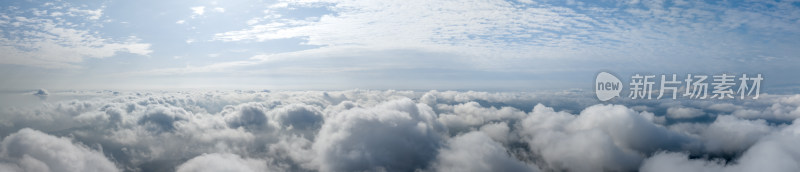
[417,45]
[405,85]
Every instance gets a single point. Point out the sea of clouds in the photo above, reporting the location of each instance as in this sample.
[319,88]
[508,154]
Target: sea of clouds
[369,130]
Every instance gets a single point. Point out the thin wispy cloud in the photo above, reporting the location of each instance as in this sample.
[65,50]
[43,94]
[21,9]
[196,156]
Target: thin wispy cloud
[59,35]
[479,38]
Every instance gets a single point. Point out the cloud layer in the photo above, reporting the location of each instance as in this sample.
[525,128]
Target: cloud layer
[365,130]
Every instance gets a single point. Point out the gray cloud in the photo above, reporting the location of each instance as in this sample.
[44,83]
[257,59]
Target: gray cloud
[41,93]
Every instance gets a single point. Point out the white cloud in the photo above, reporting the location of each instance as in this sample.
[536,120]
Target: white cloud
[91,14]
[380,130]
[219,9]
[222,162]
[609,137]
[731,135]
[471,114]
[32,150]
[163,119]
[475,151]
[402,135]
[678,162]
[53,42]
[583,35]
[781,108]
[497,131]
[198,11]
[775,152]
[298,117]
[395,135]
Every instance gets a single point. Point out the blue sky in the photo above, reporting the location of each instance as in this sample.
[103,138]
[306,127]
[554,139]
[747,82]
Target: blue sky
[332,44]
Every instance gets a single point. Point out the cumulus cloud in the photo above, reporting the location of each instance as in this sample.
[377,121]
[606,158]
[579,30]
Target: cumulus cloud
[774,152]
[246,115]
[398,135]
[475,151]
[499,132]
[728,134]
[32,150]
[370,130]
[222,162]
[472,114]
[786,108]
[163,119]
[607,137]
[298,116]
